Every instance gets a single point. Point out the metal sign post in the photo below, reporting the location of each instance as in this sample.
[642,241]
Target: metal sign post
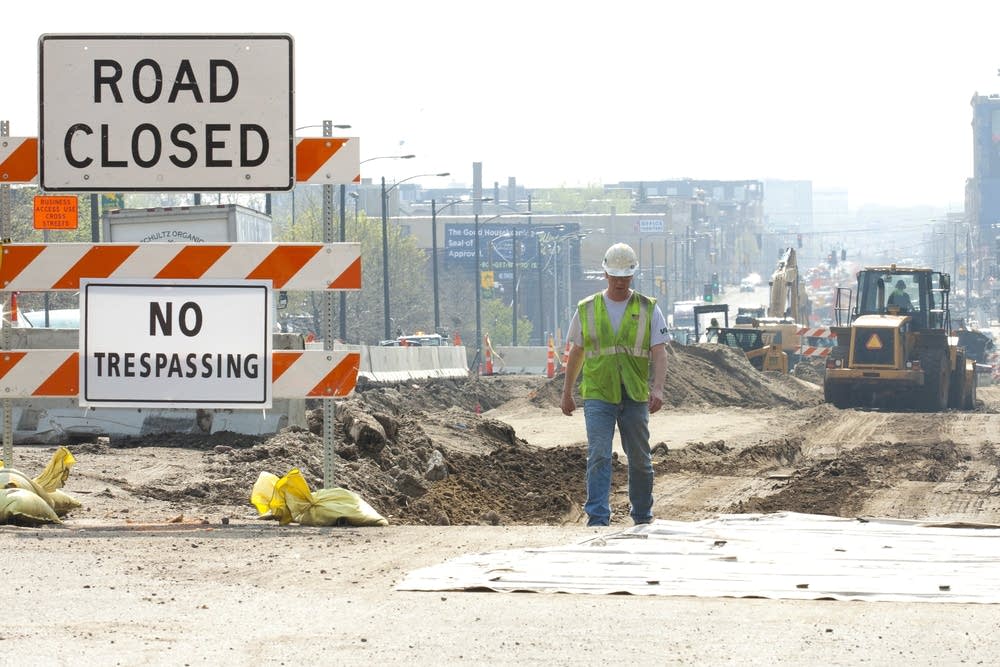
[8,427]
[328,405]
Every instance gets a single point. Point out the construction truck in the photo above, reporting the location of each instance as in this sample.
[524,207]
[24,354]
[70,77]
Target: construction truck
[895,346]
[788,294]
[787,310]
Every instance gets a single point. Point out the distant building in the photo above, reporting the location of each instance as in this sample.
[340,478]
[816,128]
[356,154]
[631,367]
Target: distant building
[982,196]
[788,205]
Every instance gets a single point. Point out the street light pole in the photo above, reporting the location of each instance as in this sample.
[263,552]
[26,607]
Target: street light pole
[479,289]
[385,265]
[355,196]
[385,245]
[434,266]
[513,323]
[343,238]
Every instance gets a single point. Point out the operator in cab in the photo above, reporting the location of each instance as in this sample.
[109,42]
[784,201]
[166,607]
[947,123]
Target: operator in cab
[900,298]
[711,334]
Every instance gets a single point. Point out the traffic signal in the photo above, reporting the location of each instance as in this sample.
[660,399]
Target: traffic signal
[707,292]
[715,283]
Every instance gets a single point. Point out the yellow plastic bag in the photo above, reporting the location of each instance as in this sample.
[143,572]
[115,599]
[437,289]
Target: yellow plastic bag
[326,507]
[25,508]
[15,479]
[52,479]
[263,491]
[55,473]
[268,504]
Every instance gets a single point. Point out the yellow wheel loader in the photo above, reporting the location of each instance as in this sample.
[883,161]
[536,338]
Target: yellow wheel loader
[896,348]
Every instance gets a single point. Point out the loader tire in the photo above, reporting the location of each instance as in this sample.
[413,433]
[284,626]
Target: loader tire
[838,394]
[970,394]
[957,390]
[935,394]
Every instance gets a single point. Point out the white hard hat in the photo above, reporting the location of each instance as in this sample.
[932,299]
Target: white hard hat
[620,260]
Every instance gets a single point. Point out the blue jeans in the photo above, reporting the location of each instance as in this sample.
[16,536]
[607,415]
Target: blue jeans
[632,419]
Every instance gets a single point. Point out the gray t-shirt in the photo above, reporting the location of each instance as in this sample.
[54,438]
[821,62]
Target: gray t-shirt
[616,311]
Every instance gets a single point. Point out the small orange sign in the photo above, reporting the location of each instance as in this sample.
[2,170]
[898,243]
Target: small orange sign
[874,343]
[56,212]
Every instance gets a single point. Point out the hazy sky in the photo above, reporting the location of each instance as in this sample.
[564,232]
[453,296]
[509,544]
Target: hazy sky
[872,96]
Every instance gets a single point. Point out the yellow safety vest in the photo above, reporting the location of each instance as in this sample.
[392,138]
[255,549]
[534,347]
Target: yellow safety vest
[615,359]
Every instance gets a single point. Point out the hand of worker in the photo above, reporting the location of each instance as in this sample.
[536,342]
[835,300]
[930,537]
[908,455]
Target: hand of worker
[568,404]
[655,400]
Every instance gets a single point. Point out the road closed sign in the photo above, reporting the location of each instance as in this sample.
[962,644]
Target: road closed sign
[175,344]
[166,112]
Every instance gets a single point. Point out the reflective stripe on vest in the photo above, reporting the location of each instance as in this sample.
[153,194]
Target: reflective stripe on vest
[596,349]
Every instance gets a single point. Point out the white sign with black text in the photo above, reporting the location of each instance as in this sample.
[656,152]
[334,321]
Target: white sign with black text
[166,112]
[175,343]
[648,226]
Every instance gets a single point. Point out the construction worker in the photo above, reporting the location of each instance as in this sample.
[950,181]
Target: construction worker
[618,341]
[711,334]
[900,298]
[713,331]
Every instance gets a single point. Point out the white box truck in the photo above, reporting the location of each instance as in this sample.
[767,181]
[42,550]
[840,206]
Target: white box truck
[186,224]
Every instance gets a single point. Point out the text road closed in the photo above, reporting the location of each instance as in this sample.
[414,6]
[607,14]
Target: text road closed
[166,112]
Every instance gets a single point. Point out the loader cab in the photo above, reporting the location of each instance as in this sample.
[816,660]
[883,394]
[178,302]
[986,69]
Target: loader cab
[920,294]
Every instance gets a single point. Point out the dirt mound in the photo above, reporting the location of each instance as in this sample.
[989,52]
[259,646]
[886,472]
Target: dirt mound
[713,375]
[811,370]
[718,375]
[484,393]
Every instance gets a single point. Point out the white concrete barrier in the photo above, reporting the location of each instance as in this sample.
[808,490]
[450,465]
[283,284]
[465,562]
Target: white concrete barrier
[523,359]
[399,364]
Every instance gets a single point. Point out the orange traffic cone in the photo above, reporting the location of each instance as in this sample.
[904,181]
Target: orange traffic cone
[458,339]
[550,362]
[489,354]
[565,355]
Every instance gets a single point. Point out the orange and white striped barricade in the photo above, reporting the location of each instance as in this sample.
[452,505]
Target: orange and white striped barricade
[294,374]
[38,267]
[328,160]
[18,160]
[816,341]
